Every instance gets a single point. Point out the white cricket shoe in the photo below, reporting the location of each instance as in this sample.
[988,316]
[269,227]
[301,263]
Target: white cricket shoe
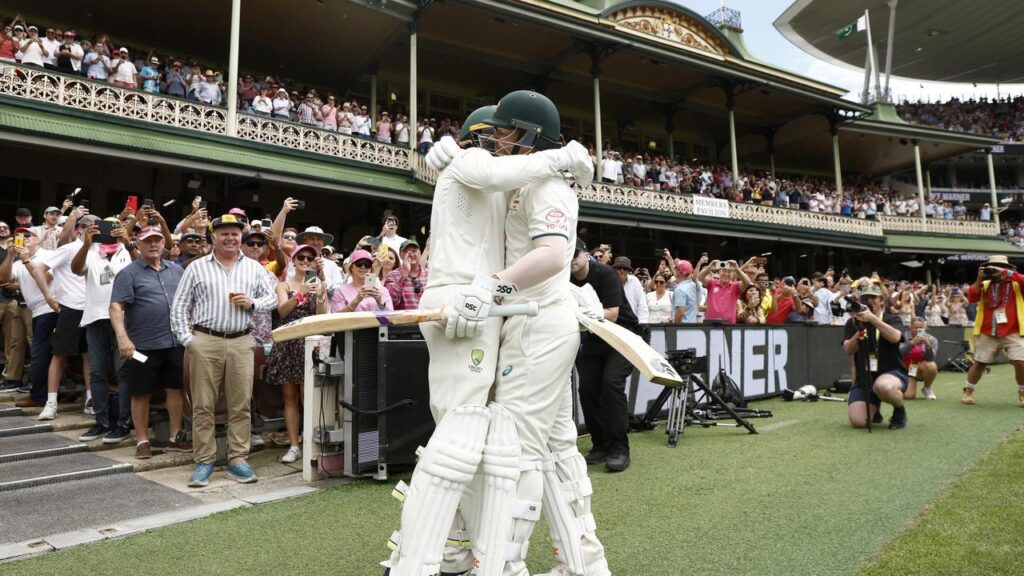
[929,394]
[49,411]
[293,454]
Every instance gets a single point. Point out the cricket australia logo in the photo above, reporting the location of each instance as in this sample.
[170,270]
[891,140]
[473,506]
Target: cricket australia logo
[477,356]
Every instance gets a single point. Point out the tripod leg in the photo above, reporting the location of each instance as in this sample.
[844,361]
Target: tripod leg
[717,400]
[647,422]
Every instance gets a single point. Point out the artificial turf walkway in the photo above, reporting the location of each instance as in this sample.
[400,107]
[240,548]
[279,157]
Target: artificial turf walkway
[808,495]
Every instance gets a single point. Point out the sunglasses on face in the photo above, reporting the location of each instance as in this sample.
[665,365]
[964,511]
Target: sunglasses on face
[659,281]
[288,237]
[255,244]
[362,264]
[305,258]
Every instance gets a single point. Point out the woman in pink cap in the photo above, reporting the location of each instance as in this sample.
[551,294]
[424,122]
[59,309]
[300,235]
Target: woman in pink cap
[297,298]
[365,292]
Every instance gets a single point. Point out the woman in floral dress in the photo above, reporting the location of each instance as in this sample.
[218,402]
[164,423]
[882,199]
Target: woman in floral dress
[297,298]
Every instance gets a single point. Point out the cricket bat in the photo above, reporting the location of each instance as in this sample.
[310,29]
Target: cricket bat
[647,360]
[348,321]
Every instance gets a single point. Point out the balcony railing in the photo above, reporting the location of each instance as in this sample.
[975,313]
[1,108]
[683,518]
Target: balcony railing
[81,94]
[933,226]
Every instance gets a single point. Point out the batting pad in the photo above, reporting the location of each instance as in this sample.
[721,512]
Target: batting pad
[567,491]
[499,474]
[446,465]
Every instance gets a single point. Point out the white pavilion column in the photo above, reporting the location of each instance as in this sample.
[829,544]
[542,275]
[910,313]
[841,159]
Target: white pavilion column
[236,17]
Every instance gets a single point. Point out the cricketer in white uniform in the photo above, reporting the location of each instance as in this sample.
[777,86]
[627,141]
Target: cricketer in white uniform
[535,361]
[467,239]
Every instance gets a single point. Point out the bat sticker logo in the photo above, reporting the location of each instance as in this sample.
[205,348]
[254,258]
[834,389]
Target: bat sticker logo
[659,365]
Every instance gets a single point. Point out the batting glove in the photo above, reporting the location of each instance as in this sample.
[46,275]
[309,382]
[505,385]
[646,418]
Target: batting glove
[575,159]
[442,153]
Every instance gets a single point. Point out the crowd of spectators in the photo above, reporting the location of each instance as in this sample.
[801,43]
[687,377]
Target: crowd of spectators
[124,284]
[100,59]
[730,292]
[999,117]
[652,171]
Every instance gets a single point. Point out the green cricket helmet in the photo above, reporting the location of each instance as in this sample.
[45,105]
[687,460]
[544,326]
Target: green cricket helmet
[474,118]
[531,112]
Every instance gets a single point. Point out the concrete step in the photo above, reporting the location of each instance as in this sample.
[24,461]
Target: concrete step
[31,446]
[11,411]
[65,468]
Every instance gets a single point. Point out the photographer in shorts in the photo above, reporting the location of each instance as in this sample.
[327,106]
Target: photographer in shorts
[999,324]
[873,339]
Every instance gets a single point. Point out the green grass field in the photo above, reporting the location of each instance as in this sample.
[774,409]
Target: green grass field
[808,495]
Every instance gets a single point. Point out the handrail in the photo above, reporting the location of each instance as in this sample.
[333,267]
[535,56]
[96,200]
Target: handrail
[82,94]
[935,226]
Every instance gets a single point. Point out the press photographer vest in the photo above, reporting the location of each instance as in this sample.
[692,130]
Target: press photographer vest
[980,318]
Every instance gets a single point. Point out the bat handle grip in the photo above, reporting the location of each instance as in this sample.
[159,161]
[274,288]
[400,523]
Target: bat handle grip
[527,309]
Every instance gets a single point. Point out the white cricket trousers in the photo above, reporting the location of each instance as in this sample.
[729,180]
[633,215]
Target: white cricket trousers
[461,370]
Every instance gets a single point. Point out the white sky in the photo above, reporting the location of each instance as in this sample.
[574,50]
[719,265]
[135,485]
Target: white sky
[765,42]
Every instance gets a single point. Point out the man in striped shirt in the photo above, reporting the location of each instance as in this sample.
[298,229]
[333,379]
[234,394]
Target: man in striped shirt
[406,283]
[211,317]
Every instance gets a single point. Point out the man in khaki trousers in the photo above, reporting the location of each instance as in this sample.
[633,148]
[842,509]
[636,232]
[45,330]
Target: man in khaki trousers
[211,317]
[17,328]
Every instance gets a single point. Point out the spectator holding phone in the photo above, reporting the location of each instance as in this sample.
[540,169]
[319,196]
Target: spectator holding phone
[918,353]
[302,294]
[723,291]
[101,256]
[748,308]
[389,231]
[364,293]
[26,303]
[123,71]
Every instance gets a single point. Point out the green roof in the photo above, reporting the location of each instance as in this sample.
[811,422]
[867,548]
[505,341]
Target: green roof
[112,132]
[933,244]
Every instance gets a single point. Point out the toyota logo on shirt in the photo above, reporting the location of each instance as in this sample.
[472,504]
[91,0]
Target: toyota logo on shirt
[556,219]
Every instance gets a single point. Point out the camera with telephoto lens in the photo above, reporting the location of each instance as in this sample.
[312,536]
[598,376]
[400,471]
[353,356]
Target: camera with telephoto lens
[853,305]
[991,272]
[686,361]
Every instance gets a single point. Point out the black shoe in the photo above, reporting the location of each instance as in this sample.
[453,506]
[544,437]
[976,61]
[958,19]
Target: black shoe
[878,419]
[617,463]
[117,435]
[95,432]
[899,418]
[10,385]
[596,456]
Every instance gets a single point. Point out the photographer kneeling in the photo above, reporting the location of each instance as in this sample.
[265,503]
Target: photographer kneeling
[919,359]
[874,342]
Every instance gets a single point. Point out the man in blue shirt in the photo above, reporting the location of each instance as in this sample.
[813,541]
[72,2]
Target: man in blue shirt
[151,76]
[686,296]
[140,314]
